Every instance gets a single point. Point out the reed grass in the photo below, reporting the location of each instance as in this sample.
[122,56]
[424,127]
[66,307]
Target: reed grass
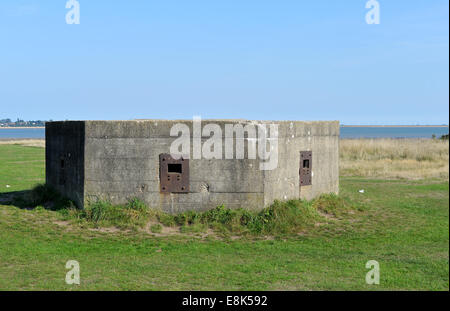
[395,158]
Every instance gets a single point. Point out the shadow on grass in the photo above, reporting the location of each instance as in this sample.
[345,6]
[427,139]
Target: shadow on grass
[41,195]
[16,198]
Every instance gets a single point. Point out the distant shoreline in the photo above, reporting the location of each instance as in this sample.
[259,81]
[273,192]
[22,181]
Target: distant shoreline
[20,139]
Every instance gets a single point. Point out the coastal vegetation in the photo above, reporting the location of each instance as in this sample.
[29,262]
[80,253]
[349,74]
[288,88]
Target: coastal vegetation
[395,158]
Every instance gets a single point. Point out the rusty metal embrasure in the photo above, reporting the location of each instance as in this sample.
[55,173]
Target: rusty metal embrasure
[305,168]
[173,174]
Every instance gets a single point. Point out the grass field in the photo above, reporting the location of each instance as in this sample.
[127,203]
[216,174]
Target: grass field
[402,223]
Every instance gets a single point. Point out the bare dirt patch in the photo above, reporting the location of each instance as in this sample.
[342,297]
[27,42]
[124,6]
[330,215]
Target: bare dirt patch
[108,230]
[61,223]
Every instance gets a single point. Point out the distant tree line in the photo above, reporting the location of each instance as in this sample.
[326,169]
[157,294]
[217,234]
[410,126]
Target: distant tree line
[19,123]
[443,137]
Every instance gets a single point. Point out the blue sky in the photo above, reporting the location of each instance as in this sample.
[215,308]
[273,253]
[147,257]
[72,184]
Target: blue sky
[252,59]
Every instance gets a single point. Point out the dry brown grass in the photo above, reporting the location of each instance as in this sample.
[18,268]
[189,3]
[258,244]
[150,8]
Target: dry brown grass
[395,158]
[24,142]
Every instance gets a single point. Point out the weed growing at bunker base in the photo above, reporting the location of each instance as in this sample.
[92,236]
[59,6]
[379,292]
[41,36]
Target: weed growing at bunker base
[132,215]
[280,218]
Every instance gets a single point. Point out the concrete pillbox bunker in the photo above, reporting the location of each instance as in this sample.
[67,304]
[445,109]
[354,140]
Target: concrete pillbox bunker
[120,160]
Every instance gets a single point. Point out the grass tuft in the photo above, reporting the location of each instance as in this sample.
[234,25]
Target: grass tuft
[132,215]
[332,204]
[156,228]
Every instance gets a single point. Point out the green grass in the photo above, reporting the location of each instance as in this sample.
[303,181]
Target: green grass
[21,167]
[404,225]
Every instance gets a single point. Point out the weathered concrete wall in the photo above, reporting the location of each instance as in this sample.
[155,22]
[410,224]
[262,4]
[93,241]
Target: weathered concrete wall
[64,158]
[121,161]
[320,137]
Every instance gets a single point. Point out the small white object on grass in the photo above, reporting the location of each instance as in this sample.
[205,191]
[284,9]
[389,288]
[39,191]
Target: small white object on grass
[7,186]
[361,191]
